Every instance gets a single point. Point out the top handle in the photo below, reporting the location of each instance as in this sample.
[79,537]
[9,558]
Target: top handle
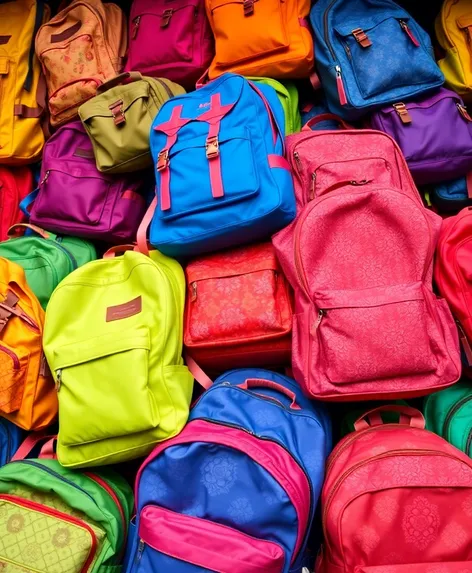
[262,383]
[325,117]
[125,77]
[408,416]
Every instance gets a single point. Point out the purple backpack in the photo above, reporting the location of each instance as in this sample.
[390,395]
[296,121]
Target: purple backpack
[170,39]
[434,134]
[74,198]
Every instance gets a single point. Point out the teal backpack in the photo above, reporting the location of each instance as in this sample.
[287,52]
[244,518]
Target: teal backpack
[288,96]
[46,258]
[55,520]
[448,413]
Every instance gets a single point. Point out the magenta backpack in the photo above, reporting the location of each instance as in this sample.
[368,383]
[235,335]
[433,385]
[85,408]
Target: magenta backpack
[170,39]
[74,198]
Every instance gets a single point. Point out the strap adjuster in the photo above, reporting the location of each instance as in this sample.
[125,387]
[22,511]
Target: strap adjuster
[212,147]
[361,38]
[166,16]
[117,112]
[402,111]
[248,7]
[163,160]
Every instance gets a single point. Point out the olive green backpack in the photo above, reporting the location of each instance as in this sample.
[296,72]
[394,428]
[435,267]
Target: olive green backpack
[118,120]
[288,96]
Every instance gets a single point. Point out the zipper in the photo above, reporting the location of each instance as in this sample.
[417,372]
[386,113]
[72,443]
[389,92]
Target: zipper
[325,26]
[340,87]
[69,255]
[409,33]
[12,355]
[468,443]
[166,87]
[452,412]
[140,551]
[297,160]
[39,508]
[193,297]
[136,22]
[313,185]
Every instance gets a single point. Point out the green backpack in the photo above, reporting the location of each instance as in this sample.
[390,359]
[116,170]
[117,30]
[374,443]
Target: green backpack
[46,258]
[288,95]
[448,413]
[55,520]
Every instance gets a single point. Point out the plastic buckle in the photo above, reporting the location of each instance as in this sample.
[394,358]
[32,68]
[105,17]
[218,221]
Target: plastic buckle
[166,16]
[163,160]
[248,7]
[117,112]
[361,38]
[400,108]
[212,147]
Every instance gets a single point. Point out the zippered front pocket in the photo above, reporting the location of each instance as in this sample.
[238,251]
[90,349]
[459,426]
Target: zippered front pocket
[170,541]
[36,537]
[386,55]
[250,26]
[374,334]
[103,385]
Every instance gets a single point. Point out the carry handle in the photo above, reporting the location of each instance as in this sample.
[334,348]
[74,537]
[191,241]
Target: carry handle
[27,446]
[41,232]
[325,117]
[408,416]
[119,250]
[262,383]
[27,202]
[203,379]
[125,77]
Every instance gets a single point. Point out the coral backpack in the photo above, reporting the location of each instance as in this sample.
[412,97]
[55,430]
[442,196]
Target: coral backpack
[396,499]
[15,185]
[79,49]
[236,491]
[359,255]
[27,395]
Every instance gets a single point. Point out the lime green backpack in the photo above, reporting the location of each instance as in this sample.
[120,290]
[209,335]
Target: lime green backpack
[46,258]
[448,413]
[57,520]
[113,341]
[288,95]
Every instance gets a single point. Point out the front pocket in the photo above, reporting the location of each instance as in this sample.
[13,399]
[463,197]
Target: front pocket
[182,544]
[74,196]
[13,370]
[240,37]
[395,58]
[465,25]
[103,386]
[439,567]
[33,537]
[189,163]
[374,334]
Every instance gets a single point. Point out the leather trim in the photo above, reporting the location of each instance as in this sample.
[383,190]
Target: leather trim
[66,34]
[124,310]
[4,40]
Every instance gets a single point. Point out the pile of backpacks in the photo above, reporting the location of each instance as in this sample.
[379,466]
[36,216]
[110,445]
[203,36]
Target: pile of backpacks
[235,234]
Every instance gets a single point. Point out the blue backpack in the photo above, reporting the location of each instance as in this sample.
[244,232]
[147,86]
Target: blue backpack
[237,490]
[11,437]
[221,178]
[371,53]
[452,196]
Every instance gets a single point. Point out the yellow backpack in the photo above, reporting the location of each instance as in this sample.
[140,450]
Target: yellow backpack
[454,33]
[22,86]
[113,340]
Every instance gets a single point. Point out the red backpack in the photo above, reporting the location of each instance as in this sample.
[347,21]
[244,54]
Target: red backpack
[359,256]
[452,272]
[15,184]
[396,499]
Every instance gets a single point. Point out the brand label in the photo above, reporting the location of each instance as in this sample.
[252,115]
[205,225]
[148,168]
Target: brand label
[124,310]
[206,104]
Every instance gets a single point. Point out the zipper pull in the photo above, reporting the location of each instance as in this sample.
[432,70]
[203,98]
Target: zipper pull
[407,31]
[165,17]
[139,554]
[193,298]
[340,86]
[297,161]
[136,22]
[321,315]
[58,379]
[313,185]
[44,179]
[43,367]
[463,111]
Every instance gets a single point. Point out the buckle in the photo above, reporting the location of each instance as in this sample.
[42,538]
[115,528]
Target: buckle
[400,108]
[166,16]
[212,147]
[248,7]
[361,38]
[163,160]
[117,112]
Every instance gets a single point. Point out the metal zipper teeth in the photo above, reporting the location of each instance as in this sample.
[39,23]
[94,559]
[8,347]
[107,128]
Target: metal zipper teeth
[236,427]
[326,34]
[450,414]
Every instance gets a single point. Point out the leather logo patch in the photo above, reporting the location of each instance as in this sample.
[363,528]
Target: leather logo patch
[4,40]
[124,310]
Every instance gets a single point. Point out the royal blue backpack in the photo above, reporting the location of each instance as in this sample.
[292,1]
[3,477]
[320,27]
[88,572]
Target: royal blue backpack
[221,178]
[452,196]
[370,53]
[236,490]
[10,439]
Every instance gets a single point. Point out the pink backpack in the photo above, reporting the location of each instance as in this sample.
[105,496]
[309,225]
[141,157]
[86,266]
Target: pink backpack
[396,499]
[359,256]
[170,39]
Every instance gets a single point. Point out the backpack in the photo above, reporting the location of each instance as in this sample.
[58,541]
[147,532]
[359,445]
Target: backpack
[396,498]
[10,440]
[448,414]
[241,475]
[118,320]
[45,258]
[288,96]
[15,184]
[170,39]
[74,198]
[263,39]
[118,120]
[357,200]
[22,89]
[229,137]
[371,53]
[238,309]
[453,31]
[434,134]
[79,49]
[55,519]
[27,395]
[452,196]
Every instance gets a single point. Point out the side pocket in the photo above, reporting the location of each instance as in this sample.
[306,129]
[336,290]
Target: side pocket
[174,407]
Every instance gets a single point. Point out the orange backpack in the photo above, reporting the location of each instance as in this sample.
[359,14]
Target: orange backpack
[79,49]
[27,394]
[268,38]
